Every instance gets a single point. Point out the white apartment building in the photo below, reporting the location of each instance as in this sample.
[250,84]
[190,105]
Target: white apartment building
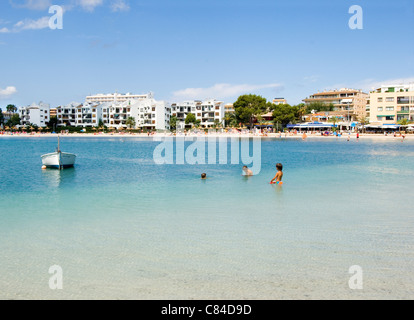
[117,97]
[151,114]
[37,114]
[390,104]
[208,111]
[148,114]
[88,115]
[66,115]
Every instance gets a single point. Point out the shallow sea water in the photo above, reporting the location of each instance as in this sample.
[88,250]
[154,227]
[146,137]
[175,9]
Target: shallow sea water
[122,227]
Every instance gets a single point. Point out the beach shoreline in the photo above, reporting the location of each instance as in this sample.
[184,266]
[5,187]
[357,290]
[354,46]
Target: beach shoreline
[377,137]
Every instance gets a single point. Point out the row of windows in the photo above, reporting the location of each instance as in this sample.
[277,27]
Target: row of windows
[411,108]
[400,100]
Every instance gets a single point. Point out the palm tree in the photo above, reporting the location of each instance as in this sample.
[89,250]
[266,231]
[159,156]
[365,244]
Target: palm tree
[229,118]
[334,120]
[403,122]
[131,122]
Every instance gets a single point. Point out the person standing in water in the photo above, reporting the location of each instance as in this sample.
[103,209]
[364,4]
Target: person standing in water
[279,175]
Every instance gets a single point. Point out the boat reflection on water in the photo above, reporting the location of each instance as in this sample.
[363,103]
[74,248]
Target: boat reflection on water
[58,178]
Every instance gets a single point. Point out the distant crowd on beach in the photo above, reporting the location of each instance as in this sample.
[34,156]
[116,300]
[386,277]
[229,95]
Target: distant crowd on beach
[221,132]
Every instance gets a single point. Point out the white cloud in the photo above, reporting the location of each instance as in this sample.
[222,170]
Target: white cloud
[221,91]
[5,93]
[119,5]
[31,4]
[30,24]
[89,5]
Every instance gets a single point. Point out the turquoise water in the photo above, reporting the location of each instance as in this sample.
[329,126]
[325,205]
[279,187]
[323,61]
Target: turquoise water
[122,227]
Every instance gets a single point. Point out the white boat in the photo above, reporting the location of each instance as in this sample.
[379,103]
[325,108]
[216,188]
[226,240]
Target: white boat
[59,160]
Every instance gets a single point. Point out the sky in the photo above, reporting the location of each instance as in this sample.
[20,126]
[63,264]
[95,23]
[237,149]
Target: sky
[198,49]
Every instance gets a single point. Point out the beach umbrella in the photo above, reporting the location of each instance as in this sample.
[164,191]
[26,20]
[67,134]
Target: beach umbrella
[7,128]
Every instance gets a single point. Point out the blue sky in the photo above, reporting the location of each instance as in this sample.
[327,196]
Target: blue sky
[188,49]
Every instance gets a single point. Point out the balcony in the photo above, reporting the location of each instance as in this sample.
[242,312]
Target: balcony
[403,112]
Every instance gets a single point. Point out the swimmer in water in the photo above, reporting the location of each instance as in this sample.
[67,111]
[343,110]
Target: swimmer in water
[203,176]
[279,175]
[247,171]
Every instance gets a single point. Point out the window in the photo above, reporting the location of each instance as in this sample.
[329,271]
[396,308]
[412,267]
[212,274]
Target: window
[389,108]
[403,100]
[380,108]
[389,118]
[379,99]
[389,99]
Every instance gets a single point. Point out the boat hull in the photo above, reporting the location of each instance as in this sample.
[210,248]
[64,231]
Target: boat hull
[59,160]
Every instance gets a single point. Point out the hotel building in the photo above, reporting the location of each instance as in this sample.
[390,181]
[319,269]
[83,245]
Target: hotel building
[391,104]
[66,115]
[36,114]
[278,101]
[208,112]
[229,108]
[117,97]
[88,115]
[148,114]
[349,103]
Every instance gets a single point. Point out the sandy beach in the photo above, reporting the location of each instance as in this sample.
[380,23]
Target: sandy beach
[366,136]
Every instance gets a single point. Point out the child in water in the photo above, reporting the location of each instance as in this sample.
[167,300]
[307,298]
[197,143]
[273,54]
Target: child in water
[279,175]
[247,171]
[203,176]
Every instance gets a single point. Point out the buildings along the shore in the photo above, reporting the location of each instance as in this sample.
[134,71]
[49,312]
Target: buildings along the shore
[390,104]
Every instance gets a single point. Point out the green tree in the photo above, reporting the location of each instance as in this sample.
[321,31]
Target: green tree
[284,114]
[230,119]
[14,120]
[217,124]
[191,118]
[403,122]
[1,117]
[53,122]
[11,108]
[334,120]
[250,106]
[131,123]
[319,106]
[173,122]
[101,123]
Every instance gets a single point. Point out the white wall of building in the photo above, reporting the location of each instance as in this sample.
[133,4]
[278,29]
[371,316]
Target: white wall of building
[37,114]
